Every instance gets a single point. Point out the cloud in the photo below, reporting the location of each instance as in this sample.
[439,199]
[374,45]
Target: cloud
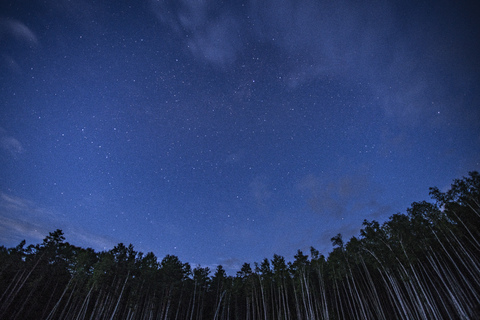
[209,33]
[341,198]
[231,265]
[14,33]
[91,240]
[23,219]
[217,43]
[356,43]
[260,191]
[403,58]
[11,145]
[13,203]
[313,38]
[18,30]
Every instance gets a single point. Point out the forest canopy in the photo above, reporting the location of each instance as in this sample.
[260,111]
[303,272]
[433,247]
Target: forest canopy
[422,264]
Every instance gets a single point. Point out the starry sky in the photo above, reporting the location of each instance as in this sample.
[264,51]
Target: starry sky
[226,131]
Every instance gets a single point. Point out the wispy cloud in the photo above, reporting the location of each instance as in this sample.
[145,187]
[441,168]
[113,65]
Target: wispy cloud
[396,54]
[339,199]
[10,144]
[403,64]
[23,219]
[211,32]
[18,30]
[90,240]
[260,192]
[218,43]
[231,265]
[19,34]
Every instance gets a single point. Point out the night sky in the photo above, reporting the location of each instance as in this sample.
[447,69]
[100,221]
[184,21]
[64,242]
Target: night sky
[223,132]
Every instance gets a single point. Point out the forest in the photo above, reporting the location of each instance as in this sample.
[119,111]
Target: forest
[422,264]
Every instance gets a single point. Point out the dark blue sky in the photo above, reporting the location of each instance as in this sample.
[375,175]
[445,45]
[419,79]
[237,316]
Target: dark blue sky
[225,132]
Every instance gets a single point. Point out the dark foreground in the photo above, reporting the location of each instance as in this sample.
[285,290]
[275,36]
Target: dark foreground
[424,264]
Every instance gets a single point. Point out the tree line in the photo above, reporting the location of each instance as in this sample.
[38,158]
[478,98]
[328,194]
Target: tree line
[423,264]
